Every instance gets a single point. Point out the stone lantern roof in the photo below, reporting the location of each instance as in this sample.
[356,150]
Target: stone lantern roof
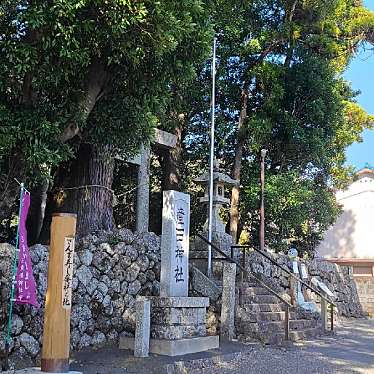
[220,180]
[218,176]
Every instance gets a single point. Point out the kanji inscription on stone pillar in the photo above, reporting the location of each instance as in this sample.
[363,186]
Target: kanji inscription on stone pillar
[175,243]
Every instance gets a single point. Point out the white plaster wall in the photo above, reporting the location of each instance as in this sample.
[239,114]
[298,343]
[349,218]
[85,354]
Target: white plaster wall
[352,236]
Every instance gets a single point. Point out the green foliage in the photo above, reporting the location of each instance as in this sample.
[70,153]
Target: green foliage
[285,59]
[34,135]
[87,71]
[298,210]
[50,53]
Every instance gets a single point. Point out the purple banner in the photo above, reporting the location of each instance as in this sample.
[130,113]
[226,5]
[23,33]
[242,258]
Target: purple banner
[26,287]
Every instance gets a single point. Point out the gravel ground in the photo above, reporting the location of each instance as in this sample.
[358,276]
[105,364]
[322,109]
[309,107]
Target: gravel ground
[351,351]
[269,361]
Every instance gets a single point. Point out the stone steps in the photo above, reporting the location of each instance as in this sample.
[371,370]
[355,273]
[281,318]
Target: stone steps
[305,334]
[249,284]
[262,307]
[302,324]
[252,291]
[259,299]
[279,337]
[278,326]
[261,316]
[269,316]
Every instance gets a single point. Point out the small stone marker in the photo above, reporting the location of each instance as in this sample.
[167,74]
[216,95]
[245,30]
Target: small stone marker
[304,272]
[175,244]
[142,327]
[295,267]
[292,253]
[228,302]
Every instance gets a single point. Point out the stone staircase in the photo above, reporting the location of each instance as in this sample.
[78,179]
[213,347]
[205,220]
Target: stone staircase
[261,316]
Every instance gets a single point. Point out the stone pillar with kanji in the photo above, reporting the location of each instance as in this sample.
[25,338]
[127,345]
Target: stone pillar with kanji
[178,322]
[175,244]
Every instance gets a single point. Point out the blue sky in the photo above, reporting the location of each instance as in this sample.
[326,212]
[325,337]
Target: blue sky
[361,75]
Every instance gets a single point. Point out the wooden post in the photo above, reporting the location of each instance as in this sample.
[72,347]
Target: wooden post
[56,337]
[293,290]
[287,324]
[244,264]
[324,314]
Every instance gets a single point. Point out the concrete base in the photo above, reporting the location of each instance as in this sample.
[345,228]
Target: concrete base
[175,347]
[38,371]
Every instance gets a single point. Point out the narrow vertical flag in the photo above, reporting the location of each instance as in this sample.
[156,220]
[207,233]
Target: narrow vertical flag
[25,282]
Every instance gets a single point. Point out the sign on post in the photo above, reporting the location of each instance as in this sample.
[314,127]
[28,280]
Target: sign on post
[67,272]
[56,335]
[175,243]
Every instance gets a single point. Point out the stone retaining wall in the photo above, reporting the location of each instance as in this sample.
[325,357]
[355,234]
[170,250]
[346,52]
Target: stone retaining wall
[111,269]
[365,288]
[337,278]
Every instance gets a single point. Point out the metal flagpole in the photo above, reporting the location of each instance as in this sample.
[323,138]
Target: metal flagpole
[262,207]
[13,288]
[211,165]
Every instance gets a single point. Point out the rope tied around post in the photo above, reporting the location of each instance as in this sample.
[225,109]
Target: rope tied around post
[60,191]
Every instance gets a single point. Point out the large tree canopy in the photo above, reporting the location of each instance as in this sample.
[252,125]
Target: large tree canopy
[280,87]
[76,72]
[84,81]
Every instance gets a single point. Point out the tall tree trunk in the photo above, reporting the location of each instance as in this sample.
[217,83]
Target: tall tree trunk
[234,208]
[36,213]
[87,189]
[289,18]
[171,162]
[11,168]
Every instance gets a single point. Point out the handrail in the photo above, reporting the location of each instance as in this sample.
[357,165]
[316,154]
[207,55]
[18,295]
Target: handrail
[245,270]
[287,271]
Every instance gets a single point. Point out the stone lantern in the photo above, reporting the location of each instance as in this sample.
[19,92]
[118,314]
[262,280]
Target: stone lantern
[199,248]
[220,181]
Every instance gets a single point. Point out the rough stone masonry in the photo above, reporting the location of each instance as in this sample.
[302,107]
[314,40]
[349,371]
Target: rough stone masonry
[337,278]
[110,270]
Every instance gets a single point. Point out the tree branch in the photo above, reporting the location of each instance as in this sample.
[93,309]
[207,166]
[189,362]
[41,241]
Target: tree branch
[97,79]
